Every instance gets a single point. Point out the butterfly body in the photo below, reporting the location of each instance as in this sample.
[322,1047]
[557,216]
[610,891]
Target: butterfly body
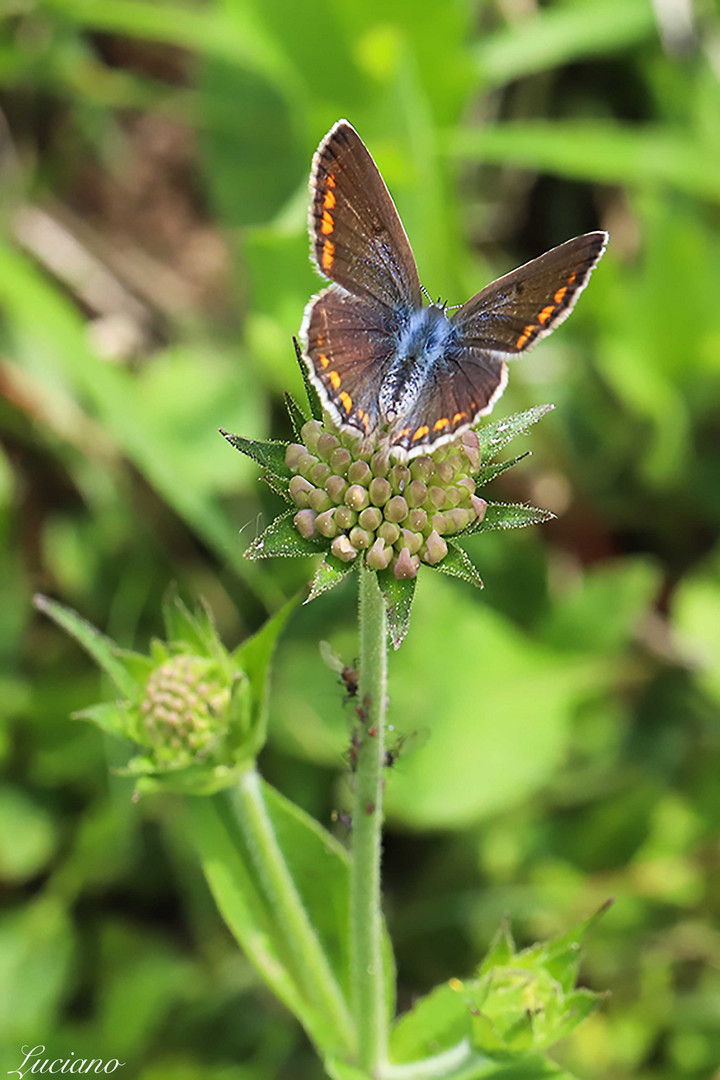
[403,374]
[423,337]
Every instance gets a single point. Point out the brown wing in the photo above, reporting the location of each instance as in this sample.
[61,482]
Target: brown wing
[462,387]
[521,308]
[356,236]
[348,344]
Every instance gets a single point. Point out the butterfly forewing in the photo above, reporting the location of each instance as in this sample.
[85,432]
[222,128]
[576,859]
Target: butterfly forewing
[356,236]
[524,306]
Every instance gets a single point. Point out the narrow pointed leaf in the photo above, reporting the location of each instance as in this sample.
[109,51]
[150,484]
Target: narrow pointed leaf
[494,436]
[138,665]
[282,539]
[501,951]
[103,651]
[254,657]
[297,416]
[457,564]
[269,453]
[314,401]
[184,627]
[578,1005]
[509,516]
[110,717]
[493,469]
[329,573]
[277,484]
[398,595]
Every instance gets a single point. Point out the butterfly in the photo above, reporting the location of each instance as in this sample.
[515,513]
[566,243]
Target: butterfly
[406,375]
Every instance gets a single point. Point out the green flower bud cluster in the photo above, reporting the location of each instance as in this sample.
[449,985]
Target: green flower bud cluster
[184,709]
[392,515]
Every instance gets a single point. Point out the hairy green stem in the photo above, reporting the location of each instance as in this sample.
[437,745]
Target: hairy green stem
[316,974]
[366,925]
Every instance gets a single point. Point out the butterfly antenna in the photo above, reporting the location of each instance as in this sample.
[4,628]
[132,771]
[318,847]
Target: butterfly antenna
[427,294]
[452,307]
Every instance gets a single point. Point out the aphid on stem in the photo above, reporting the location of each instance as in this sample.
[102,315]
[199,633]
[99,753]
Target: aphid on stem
[348,675]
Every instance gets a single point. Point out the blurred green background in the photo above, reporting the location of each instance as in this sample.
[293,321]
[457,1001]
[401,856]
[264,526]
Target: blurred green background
[153,163]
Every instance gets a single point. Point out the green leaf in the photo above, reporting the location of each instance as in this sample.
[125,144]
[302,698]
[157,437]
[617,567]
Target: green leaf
[330,572]
[233,34]
[436,1022]
[278,485]
[508,516]
[398,595]
[138,665]
[561,35]
[314,402]
[598,150]
[194,629]
[269,453]
[319,869]
[492,470]
[494,436]
[281,539]
[111,717]
[254,657]
[457,564]
[514,735]
[104,652]
[501,951]
[297,416]
[602,607]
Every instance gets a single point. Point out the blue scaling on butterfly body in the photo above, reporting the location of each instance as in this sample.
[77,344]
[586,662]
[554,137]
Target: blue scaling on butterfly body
[421,348]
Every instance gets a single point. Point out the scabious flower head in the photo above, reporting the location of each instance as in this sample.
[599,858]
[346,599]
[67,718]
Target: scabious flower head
[351,502]
[194,711]
[390,515]
[184,709]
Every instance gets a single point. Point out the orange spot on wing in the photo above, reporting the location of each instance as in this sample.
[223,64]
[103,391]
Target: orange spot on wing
[545,314]
[571,279]
[440,424]
[328,254]
[458,417]
[335,379]
[323,360]
[526,334]
[329,200]
[560,294]
[420,432]
[346,401]
[330,180]
[405,431]
[328,224]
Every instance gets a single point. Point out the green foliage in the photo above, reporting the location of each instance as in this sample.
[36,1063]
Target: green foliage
[569,710]
[498,1023]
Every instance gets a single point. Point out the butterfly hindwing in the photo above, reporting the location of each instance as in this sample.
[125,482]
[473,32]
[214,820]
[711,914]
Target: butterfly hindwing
[458,391]
[356,236]
[349,344]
